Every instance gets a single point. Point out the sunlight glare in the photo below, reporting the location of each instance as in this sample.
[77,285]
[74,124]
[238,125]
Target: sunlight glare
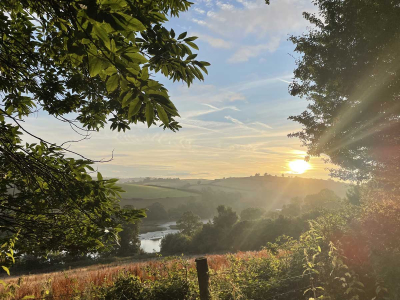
[299,166]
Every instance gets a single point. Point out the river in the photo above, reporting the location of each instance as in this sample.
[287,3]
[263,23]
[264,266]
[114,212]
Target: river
[150,242]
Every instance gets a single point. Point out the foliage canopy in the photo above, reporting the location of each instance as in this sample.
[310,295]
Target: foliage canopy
[349,71]
[86,63]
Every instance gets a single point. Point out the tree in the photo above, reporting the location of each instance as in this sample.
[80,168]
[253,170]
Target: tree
[349,71]
[129,242]
[324,199]
[251,213]
[86,63]
[226,217]
[353,195]
[293,209]
[156,212]
[189,223]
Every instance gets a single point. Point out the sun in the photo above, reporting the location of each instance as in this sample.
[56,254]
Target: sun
[299,166]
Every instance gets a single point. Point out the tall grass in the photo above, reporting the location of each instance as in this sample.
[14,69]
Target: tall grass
[84,281]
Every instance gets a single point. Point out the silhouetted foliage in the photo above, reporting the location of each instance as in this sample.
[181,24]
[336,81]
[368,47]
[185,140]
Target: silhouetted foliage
[156,212]
[251,213]
[88,64]
[348,71]
[353,195]
[189,223]
[226,217]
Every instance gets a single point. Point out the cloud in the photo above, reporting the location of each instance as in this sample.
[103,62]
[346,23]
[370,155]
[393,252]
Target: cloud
[262,124]
[233,120]
[200,22]
[212,41]
[244,53]
[286,81]
[192,114]
[225,6]
[207,94]
[222,108]
[256,18]
[199,10]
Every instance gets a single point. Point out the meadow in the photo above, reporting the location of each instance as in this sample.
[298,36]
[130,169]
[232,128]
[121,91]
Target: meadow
[343,256]
[151,192]
[83,283]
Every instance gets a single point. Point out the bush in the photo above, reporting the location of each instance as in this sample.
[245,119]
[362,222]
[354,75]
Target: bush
[175,243]
[125,287]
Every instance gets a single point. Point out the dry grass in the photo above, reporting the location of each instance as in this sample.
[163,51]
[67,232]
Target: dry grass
[61,284]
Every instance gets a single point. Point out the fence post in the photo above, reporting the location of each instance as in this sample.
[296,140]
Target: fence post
[203,276]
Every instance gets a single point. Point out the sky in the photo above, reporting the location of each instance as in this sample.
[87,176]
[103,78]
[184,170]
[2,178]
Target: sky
[235,122]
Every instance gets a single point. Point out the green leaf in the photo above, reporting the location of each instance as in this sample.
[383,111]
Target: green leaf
[110,70]
[85,41]
[191,39]
[112,83]
[190,57]
[114,4]
[162,114]
[126,98]
[134,107]
[182,35]
[113,47]
[96,65]
[6,269]
[145,74]
[193,45]
[28,297]
[132,23]
[149,114]
[136,57]
[101,33]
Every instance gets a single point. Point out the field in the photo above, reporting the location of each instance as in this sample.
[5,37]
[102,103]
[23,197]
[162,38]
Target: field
[268,192]
[73,284]
[151,192]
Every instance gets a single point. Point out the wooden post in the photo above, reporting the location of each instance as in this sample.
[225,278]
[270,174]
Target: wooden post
[203,276]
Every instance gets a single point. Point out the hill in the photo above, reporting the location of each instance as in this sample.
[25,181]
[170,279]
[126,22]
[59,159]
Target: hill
[137,191]
[269,192]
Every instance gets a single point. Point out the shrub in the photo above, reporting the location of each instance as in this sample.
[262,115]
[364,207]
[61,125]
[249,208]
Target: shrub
[175,243]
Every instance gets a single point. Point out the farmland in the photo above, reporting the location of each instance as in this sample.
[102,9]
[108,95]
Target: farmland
[151,192]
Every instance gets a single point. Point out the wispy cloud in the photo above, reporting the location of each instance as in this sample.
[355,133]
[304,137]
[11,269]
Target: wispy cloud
[222,108]
[199,10]
[212,41]
[225,6]
[283,80]
[258,19]
[262,125]
[244,53]
[200,22]
[233,120]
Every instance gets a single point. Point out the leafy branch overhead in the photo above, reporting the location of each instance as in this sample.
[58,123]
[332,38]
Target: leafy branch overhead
[87,63]
[95,58]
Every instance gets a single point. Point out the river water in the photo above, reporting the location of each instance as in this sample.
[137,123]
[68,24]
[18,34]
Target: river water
[151,241]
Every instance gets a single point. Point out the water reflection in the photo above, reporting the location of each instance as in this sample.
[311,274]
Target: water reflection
[150,242]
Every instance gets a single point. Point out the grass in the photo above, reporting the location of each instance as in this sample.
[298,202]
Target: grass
[151,192]
[59,285]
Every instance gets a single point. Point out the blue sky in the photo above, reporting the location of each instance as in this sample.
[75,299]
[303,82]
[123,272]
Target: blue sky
[235,122]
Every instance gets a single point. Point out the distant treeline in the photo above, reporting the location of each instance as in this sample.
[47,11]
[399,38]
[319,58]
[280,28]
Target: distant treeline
[252,230]
[203,207]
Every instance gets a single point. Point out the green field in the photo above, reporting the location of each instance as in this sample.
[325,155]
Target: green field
[151,192]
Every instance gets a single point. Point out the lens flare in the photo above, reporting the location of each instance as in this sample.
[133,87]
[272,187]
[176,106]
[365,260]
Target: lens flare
[299,166]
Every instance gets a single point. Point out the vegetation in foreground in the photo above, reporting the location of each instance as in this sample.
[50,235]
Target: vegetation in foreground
[344,255]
